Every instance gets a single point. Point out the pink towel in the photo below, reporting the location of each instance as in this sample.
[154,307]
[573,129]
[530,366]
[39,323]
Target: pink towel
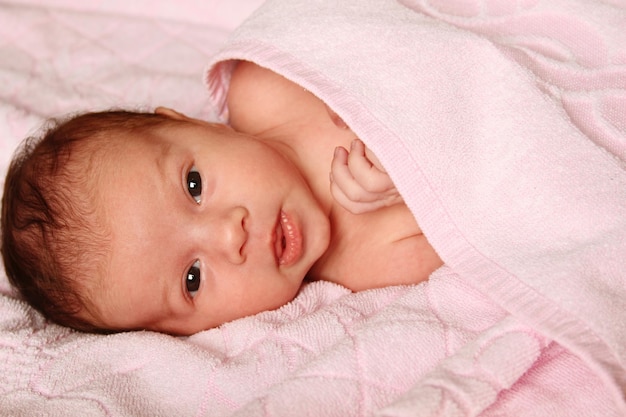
[502,125]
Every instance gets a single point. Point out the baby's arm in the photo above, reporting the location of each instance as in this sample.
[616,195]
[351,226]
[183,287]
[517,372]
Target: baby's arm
[359,182]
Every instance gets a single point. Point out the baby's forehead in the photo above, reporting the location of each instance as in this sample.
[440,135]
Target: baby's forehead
[111,144]
[118,151]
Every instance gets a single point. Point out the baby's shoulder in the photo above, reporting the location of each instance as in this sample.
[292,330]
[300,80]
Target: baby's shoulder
[259,99]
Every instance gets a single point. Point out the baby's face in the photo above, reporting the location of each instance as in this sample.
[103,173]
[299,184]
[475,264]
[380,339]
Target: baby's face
[207,226]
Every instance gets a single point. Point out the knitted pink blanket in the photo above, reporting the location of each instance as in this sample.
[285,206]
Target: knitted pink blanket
[502,123]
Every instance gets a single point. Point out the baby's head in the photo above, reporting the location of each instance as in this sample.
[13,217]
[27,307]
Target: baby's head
[119,220]
[53,243]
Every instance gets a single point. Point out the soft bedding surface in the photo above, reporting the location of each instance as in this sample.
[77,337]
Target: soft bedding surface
[495,332]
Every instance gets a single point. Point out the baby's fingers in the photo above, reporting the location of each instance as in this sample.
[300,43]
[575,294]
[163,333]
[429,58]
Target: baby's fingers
[365,172]
[356,182]
[344,182]
[355,207]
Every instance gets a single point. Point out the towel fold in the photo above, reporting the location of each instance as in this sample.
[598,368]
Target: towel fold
[503,131]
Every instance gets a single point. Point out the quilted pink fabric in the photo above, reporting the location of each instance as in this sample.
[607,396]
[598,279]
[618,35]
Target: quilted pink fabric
[449,347]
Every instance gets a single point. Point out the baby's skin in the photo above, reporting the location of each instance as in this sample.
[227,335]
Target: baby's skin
[212,222]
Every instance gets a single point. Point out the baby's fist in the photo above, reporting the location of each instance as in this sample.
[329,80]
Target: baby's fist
[359,182]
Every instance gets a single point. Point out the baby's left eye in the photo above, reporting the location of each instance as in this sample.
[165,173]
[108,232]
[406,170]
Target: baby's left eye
[192,280]
[194,184]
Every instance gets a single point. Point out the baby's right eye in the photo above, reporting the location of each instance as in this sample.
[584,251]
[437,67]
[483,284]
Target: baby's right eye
[192,279]
[194,184]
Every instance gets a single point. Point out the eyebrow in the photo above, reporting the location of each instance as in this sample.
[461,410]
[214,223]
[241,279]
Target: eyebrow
[167,288]
[164,151]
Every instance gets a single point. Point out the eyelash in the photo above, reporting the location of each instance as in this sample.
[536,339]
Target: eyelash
[194,184]
[193,279]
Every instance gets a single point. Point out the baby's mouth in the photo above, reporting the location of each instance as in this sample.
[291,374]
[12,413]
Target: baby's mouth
[288,242]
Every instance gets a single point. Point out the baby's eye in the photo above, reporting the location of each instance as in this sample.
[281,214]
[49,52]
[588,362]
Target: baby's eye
[194,184]
[192,279]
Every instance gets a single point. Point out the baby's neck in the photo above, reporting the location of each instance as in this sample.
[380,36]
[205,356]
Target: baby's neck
[312,157]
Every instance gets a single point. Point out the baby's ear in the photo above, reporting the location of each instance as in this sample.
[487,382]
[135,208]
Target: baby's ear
[166,111]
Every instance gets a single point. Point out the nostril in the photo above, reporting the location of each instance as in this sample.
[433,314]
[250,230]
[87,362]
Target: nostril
[244,219]
[241,258]
[244,228]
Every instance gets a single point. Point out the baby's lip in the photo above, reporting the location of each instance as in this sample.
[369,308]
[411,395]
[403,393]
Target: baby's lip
[288,240]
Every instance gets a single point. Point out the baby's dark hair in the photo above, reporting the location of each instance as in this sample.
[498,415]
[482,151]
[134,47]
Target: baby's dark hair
[53,241]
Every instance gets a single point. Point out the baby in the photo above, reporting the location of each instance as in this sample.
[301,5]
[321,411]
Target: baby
[120,221]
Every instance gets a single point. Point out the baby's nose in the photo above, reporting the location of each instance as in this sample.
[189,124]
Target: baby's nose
[232,235]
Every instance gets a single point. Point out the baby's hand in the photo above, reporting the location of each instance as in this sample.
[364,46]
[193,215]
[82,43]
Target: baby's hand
[359,182]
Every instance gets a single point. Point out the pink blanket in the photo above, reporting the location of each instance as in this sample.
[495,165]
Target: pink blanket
[502,124]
